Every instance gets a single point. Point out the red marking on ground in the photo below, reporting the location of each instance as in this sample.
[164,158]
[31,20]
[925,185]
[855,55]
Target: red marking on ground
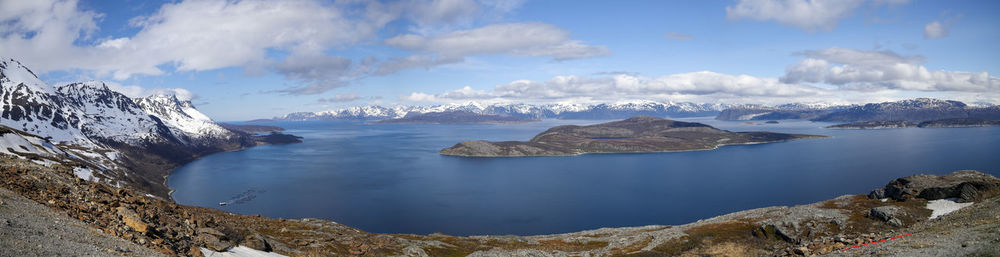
[879,241]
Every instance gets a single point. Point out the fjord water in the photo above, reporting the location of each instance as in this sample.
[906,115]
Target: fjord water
[390,178]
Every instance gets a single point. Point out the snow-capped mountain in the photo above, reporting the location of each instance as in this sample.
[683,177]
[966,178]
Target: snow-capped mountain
[185,122]
[86,112]
[913,110]
[555,111]
[779,112]
[105,130]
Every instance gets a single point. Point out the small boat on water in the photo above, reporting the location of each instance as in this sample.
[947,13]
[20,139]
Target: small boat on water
[223,203]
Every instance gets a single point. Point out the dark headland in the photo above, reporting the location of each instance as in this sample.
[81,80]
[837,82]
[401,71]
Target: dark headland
[640,134]
[942,123]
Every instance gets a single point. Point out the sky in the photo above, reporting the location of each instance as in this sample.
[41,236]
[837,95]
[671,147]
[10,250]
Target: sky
[239,60]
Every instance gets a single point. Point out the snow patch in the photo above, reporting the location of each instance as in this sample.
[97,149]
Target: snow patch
[46,163]
[944,206]
[83,173]
[239,251]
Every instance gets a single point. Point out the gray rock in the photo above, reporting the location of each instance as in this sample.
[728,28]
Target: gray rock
[967,186]
[214,243]
[877,194]
[257,242]
[890,214]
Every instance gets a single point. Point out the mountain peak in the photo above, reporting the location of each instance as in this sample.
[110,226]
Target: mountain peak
[14,73]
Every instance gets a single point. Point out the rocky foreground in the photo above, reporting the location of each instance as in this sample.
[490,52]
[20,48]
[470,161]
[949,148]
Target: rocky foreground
[641,134]
[820,228]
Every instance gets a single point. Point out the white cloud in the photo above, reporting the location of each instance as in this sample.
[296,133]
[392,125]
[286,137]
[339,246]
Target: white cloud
[240,34]
[395,64]
[935,30]
[706,86]
[320,73]
[137,91]
[340,98]
[677,36]
[883,70]
[199,35]
[418,97]
[939,29]
[518,39]
[809,15]
[444,11]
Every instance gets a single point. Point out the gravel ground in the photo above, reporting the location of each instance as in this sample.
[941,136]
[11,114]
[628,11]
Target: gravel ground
[970,231]
[31,229]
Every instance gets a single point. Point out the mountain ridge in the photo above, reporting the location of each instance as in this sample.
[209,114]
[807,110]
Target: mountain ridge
[124,141]
[520,110]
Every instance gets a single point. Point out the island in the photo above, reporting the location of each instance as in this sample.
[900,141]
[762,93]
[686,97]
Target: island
[454,117]
[641,134]
[942,123]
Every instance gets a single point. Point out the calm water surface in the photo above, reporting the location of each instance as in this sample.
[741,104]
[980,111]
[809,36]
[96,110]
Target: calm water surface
[390,179]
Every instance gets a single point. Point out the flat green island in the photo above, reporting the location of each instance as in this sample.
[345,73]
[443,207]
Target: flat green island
[642,134]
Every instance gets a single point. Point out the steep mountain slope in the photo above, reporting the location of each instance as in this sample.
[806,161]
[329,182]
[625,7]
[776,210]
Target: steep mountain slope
[124,141]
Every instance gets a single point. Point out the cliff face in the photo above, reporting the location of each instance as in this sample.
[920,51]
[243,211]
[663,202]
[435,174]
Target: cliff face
[634,135]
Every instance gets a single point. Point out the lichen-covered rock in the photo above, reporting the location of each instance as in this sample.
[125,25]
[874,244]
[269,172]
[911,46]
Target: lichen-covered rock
[132,220]
[966,185]
[890,214]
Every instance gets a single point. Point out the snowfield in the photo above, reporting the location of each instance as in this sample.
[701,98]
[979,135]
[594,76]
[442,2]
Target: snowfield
[944,206]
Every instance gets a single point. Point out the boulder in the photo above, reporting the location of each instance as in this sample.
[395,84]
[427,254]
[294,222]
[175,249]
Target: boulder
[890,214]
[132,219]
[257,242]
[966,186]
[214,243]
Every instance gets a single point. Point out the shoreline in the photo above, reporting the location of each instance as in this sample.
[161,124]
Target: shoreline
[170,171]
[771,230]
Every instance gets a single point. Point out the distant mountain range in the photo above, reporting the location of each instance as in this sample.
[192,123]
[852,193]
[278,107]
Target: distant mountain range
[526,111]
[109,137]
[912,110]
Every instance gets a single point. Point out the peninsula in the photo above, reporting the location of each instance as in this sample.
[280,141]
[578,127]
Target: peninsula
[942,123]
[640,134]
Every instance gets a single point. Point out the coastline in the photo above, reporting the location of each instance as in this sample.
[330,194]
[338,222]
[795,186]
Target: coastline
[774,230]
[648,152]
[170,171]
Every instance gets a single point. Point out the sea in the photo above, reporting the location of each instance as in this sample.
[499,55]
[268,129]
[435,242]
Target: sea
[389,178]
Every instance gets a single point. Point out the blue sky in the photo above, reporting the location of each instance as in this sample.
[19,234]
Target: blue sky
[256,59]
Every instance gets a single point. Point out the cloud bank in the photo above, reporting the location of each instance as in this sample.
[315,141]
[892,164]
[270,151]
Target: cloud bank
[196,35]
